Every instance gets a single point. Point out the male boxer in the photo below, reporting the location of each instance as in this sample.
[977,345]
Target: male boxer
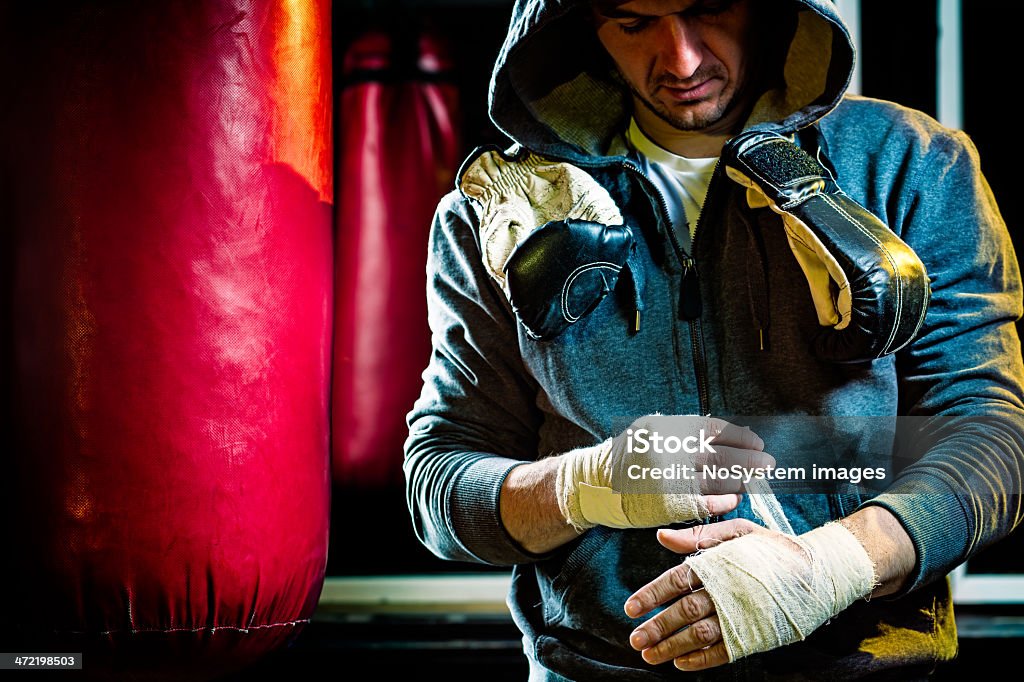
[696,221]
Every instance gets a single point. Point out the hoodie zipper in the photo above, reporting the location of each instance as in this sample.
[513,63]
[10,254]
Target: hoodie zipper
[690,308]
[700,358]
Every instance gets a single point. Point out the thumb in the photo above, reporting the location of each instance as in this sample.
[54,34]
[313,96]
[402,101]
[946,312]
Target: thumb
[690,540]
[721,504]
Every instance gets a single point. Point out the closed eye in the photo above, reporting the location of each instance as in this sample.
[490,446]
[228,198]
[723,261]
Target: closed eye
[634,26]
[630,23]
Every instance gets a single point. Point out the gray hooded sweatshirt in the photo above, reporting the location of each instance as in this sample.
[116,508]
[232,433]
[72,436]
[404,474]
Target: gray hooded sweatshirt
[494,397]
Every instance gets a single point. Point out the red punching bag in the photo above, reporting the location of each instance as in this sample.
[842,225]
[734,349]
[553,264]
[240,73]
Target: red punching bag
[169,169]
[397,156]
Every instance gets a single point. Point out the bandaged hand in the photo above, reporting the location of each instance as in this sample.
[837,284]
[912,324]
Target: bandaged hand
[621,482]
[750,590]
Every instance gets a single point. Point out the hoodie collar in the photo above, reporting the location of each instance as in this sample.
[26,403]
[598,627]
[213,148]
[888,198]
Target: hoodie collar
[553,90]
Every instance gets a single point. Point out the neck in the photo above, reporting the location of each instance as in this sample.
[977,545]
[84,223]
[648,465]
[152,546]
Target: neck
[693,144]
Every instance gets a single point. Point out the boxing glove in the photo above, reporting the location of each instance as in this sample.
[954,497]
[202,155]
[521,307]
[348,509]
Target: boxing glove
[866,283]
[562,271]
[551,238]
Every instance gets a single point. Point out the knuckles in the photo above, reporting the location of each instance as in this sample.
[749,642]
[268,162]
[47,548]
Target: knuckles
[741,527]
[699,659]
[691,609]
[676,581]
[704,632]
[679,579]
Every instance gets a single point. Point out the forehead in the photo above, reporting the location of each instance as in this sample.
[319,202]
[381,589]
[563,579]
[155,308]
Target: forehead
[643,7]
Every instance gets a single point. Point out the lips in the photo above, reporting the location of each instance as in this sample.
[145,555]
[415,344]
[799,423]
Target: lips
[691,94]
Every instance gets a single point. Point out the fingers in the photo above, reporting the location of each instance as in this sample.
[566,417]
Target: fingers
[727,456]
[680,580]
[673,583]
[718,431]
[726,433]
[704,658]
[721,504]
[690,540]
[662,637]
[700,635]
[716,472]
[688,631]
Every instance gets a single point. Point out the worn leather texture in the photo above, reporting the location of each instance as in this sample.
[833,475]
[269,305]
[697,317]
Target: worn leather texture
[169,205]
[397,147]
[879,287]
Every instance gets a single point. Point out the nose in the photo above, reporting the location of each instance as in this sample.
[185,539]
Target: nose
[681,47]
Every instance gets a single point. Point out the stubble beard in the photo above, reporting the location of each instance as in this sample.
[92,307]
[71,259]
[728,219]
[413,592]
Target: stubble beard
[690,120]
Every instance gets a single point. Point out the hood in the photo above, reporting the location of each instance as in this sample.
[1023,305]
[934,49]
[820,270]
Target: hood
[554,89]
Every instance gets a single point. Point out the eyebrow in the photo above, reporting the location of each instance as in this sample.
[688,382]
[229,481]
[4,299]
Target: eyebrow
[616,13]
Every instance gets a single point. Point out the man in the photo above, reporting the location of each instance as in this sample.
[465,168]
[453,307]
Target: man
[700,291]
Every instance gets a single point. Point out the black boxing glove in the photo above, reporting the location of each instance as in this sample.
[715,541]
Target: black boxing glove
[551,238]
[563,270]
[866,283]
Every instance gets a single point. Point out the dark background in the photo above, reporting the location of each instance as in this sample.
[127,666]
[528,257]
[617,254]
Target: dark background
[371,531]
[898,61]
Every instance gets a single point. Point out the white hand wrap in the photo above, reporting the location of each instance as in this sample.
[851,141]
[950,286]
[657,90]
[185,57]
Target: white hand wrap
[586,497]
[770,590]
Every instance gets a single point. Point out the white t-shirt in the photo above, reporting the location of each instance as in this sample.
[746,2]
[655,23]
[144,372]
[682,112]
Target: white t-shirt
[682,181]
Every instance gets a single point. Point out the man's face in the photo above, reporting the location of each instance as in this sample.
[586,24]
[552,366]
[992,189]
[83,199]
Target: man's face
[685,60]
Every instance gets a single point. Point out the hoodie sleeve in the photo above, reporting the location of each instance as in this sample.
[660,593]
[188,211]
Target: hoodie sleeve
[965,367]
[476,417]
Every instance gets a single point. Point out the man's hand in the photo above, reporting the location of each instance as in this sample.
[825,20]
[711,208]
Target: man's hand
[533,504]
[652,474]
[690,630]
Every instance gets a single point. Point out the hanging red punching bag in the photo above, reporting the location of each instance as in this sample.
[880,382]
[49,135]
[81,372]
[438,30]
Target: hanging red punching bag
[170,178]
[397,152]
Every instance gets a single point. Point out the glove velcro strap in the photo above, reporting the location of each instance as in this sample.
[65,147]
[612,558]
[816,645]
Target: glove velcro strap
[785,173]
[864,280]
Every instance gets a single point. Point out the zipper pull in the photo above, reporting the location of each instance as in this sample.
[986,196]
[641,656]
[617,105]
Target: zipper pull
[689,298]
